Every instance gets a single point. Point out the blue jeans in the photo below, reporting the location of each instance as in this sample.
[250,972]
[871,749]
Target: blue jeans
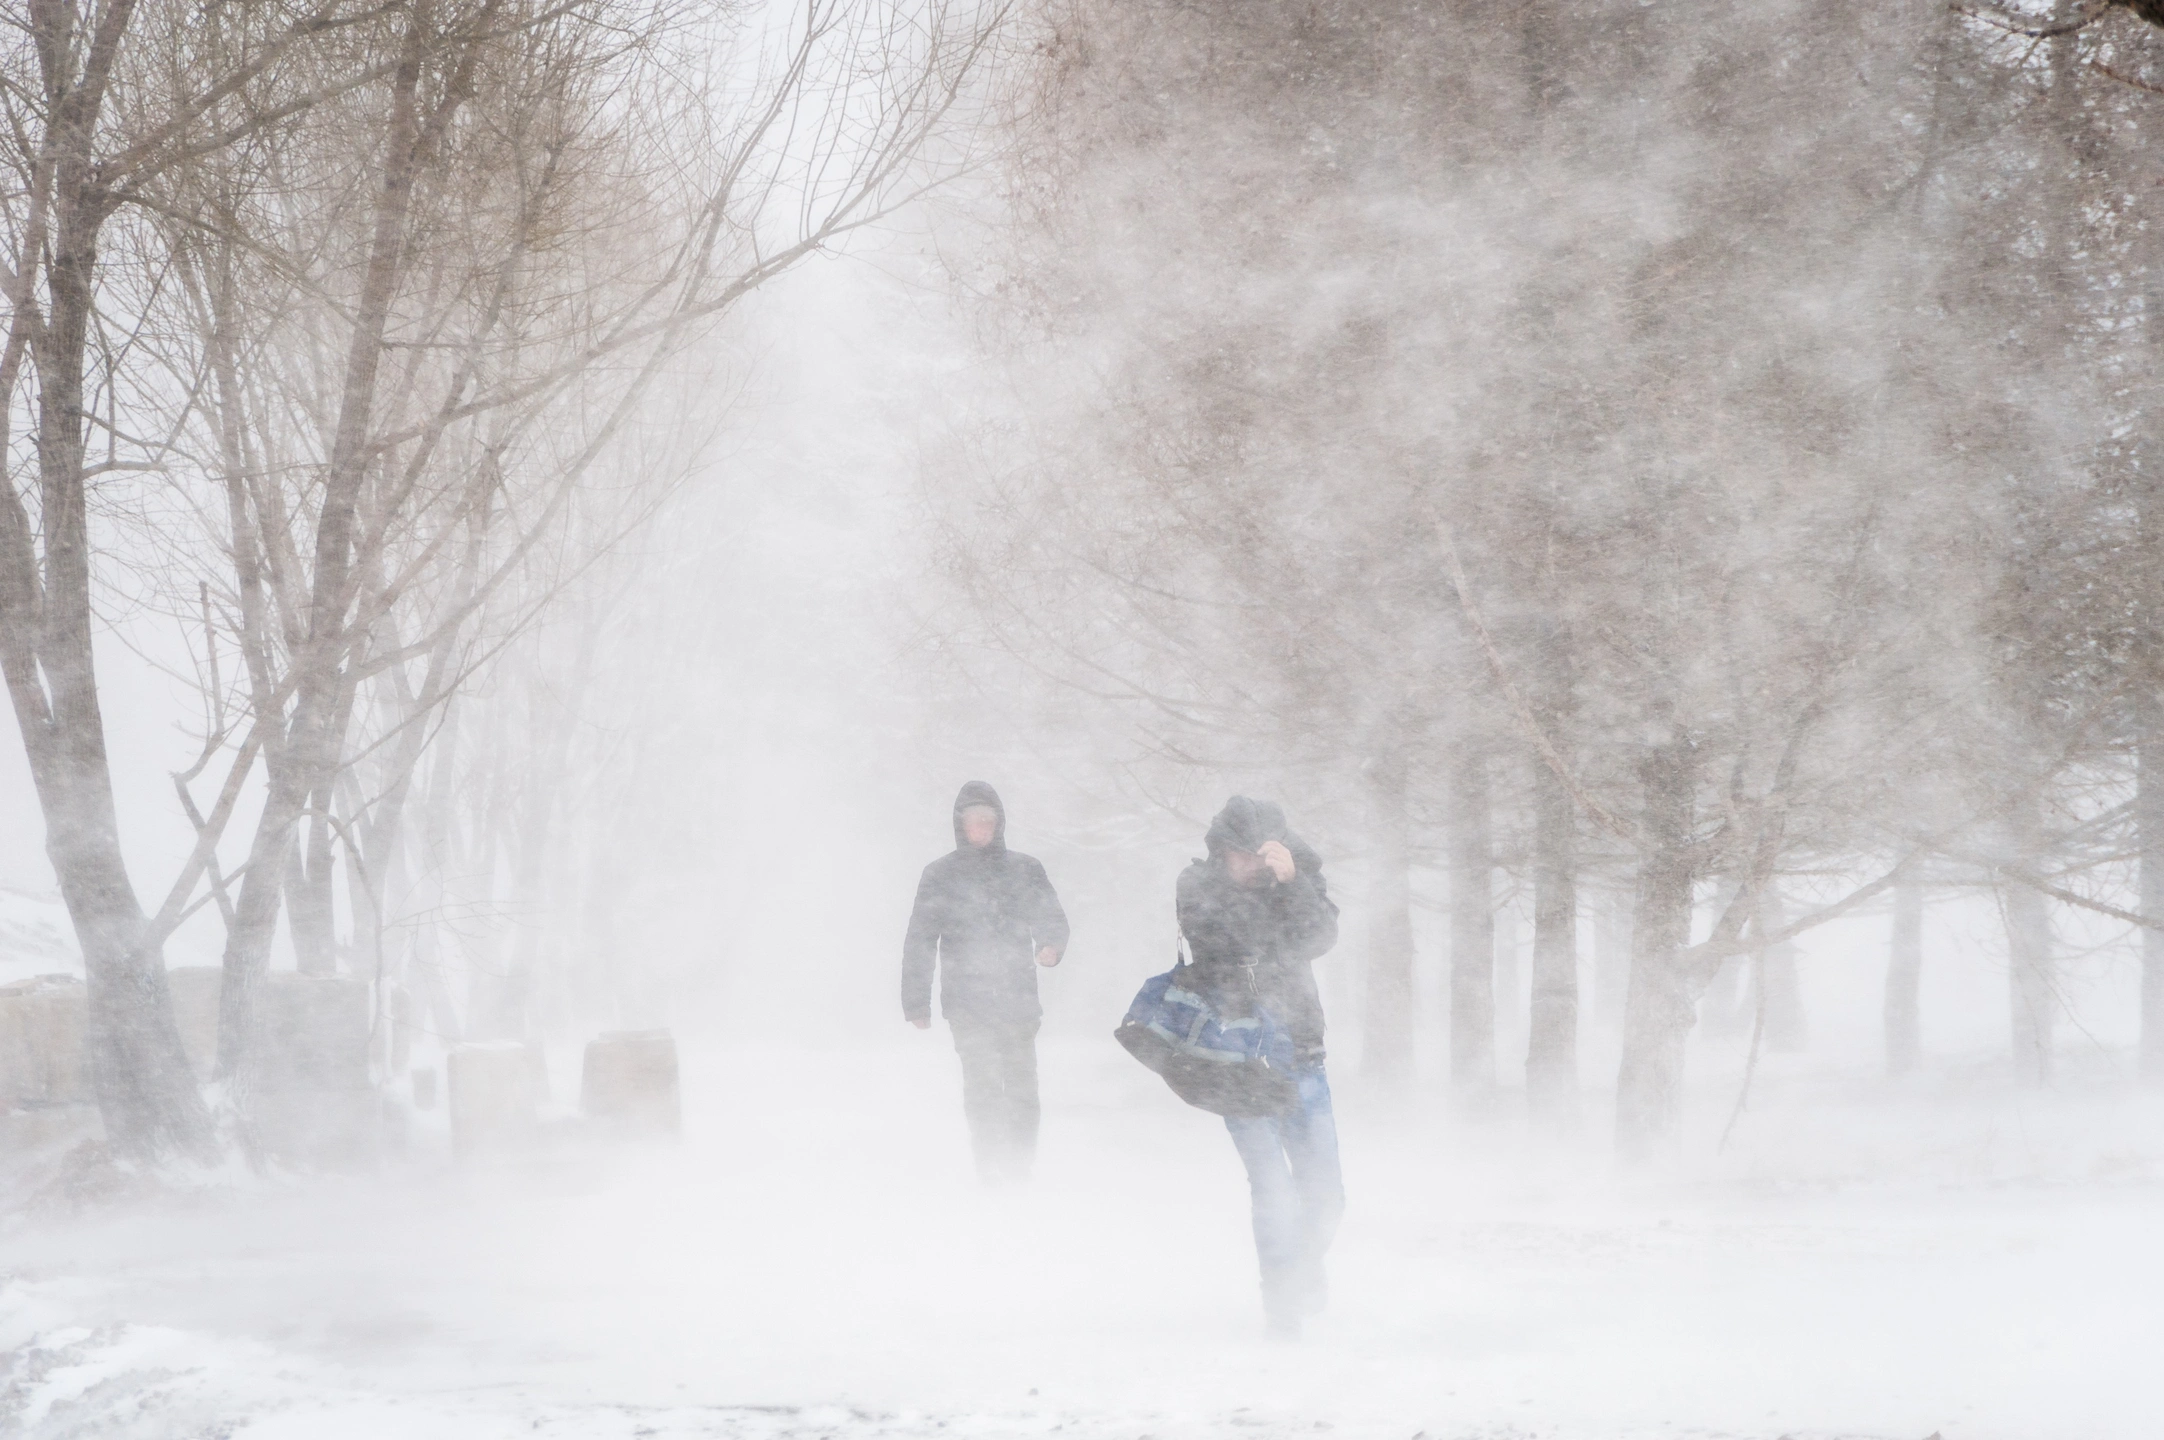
[1298,1193]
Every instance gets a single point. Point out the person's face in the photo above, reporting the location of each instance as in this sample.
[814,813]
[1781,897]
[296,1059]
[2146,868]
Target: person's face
[978,823]
[1245,867]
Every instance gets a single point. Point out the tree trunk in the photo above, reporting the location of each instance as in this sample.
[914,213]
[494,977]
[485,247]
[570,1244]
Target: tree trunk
[1662,1002]
[489,1003]
[1472,925]
[139,1073]
[1552,1040]
[1611,960]
[1904,972]
[311,907]
[427,974]
[1551,1053]
[310,755]
[1388,1021]
[308,927]
[1510,998]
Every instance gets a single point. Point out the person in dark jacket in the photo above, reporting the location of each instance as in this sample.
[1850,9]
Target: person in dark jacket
[1256,914]
[987,918]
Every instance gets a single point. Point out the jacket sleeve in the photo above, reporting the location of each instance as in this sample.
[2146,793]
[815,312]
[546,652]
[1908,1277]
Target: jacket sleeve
[1309,915]
[1047,921]
[920,950]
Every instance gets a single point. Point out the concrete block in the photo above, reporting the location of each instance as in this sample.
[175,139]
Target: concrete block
[495,1091]
[628,1083]
[43,1060]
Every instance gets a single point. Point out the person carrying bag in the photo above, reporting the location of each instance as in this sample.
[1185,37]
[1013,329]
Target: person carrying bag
[1237,1029]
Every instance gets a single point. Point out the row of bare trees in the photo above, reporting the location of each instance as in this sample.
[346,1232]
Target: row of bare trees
[1561,449]
[334,329]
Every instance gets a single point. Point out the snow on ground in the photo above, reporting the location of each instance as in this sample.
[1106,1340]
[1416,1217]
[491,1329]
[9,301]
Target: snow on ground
[814,1260]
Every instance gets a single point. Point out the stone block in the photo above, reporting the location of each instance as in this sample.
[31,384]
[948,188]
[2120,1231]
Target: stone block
[496,1088]
[42,1056]
[628,1083]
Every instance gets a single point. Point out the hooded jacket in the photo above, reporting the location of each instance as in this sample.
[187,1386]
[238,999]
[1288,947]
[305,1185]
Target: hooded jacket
[981,916]
[1255,945]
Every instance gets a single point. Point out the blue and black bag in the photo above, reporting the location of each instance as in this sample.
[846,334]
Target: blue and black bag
[1237,1067]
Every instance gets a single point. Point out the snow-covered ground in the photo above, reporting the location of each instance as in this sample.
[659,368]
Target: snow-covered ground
[814,1260]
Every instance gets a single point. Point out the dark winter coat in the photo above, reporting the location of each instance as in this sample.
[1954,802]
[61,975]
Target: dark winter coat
[981,915]
[1257,944]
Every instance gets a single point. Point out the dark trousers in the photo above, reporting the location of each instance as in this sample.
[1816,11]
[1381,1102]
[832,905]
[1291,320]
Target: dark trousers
[1298,1194]
[999,1093]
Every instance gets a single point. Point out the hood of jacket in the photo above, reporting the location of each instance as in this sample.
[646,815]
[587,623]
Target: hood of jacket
[976,792]
[1244,824]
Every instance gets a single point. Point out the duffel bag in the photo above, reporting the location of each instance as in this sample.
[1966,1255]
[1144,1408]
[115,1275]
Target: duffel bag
[1236,1067]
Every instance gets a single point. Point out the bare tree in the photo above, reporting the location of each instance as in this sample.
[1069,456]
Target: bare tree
[96,117]
[399,279]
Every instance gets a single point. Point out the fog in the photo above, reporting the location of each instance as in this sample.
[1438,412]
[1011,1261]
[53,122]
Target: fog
[1663,506]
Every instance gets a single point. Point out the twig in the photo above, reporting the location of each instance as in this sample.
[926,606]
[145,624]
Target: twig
[2102,69]
[2042,32]
[2034,881]
[210,864]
